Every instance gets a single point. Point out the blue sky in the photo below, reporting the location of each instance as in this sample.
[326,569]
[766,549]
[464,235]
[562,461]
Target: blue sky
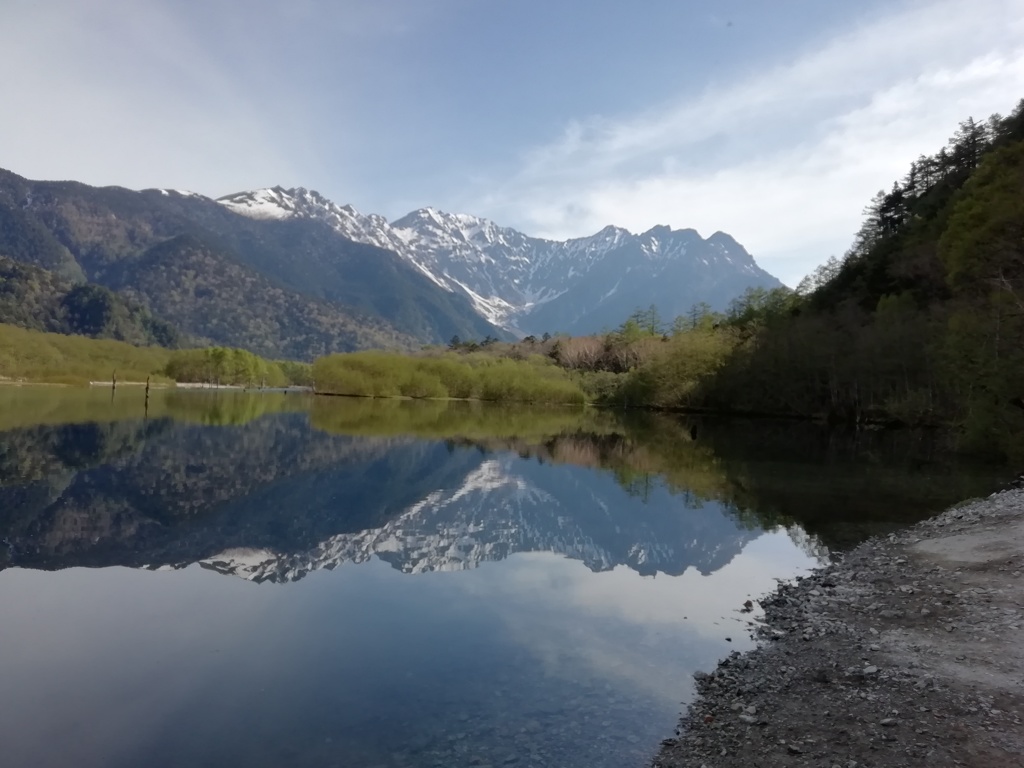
[773,121]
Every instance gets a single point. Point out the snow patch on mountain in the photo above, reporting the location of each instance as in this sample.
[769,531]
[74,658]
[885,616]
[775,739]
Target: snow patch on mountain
[182,193]
[445,531]
[507,275]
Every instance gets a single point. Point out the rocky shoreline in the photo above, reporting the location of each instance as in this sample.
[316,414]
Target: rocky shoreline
[907,652]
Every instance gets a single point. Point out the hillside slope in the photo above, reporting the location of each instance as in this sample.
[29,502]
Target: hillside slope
[922,321]
[37,299]
[105,235]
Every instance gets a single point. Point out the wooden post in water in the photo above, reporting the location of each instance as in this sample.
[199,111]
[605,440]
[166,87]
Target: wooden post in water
[113,379]
[147,398]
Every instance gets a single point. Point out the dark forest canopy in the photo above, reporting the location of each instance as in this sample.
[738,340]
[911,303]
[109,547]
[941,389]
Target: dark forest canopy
[38,299]
[921,322]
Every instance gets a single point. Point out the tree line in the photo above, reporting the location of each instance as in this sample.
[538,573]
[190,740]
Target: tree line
[920,322]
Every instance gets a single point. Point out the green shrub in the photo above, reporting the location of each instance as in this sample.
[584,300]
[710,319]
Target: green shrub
[296,374]
[52,357]
[473,376]
[224,365]
[422,384]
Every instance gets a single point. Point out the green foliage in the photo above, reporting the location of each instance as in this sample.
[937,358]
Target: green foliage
[645,322]
[37,299]
[51,357]
[422,384]
[27,240]
[672,378]
[982,246]
[921,322]
[221,365]
[480,376]
[603,387]
[296,374]
[760,306]
[700,316]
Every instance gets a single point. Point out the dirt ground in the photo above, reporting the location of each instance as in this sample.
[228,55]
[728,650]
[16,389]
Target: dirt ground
[908,652]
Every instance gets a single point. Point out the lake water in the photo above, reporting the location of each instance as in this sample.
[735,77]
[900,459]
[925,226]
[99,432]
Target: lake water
[272,580]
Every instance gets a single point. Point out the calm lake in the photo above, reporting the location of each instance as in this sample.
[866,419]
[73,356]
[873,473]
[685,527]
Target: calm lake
[275,580]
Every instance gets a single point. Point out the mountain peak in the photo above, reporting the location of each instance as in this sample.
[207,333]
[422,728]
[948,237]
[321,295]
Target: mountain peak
[725,240]
[266,203]
[509,277]
[435,216]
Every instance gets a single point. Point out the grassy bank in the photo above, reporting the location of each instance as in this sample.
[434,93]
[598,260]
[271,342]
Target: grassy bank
[476,377]
[77,360]
[53,358]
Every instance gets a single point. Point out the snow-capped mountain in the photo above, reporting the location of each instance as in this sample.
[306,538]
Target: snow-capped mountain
[298,500]
[530,285]
[503,507]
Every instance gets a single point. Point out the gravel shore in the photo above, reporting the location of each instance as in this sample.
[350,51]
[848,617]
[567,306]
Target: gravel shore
[907,652]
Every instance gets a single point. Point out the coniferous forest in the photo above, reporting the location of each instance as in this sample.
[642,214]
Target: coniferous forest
[920,323]
[922,320]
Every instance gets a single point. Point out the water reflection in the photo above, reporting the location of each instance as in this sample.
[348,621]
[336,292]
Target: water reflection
[508,587]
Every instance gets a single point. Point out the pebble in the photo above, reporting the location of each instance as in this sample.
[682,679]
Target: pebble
[797,666]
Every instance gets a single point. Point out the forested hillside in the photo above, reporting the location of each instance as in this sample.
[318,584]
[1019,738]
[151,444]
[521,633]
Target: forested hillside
[203,289]
[41,300]
[921,322]
[292,288]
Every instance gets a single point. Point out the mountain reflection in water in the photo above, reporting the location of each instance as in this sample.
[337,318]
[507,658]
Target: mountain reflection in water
[520,586]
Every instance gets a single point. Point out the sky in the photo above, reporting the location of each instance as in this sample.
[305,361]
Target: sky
[773,121]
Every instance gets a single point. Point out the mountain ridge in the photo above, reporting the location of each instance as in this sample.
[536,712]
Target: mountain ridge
[290,273]
[339,295]
[508,275]
[165,495]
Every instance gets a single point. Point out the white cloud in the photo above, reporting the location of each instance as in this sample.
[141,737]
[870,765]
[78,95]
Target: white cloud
[154,93]
[618,622]
[785,159]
